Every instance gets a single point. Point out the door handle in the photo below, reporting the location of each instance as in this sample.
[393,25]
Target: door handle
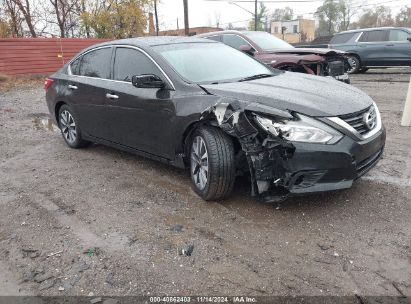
[390,44]
[111,96]
[73,87]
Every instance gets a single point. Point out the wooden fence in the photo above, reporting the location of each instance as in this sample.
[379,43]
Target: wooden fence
[41,56]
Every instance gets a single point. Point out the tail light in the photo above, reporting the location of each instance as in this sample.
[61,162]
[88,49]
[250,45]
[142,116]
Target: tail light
[47,83]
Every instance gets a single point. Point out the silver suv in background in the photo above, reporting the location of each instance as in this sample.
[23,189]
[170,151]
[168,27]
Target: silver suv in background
[375,47]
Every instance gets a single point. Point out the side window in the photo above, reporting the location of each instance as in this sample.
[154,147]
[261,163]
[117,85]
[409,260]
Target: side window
[74,66]
[234,41]
[341,38]
[215,38]
[129,62]
[96,63]
[398,35]
[373,36]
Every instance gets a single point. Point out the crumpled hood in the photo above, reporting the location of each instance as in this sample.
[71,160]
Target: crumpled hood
[307,94]
[319,51]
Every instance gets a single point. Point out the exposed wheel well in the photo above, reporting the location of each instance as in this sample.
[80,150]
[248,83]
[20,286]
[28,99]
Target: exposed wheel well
[190,130]
[355,55]
[57,109]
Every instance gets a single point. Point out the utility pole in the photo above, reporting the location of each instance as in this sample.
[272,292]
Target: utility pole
[186,25]
[156,15]
[255,16]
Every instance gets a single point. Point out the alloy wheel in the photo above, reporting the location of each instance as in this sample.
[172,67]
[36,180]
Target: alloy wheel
[354,64]
[68,126]
[199,162]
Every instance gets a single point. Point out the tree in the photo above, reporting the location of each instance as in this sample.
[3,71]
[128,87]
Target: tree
[404,17]
[346,11]
[64,11]
[282,14]
[13,16]
[262,14]
[379,16]
[116,18]
[28,14]
[329,15]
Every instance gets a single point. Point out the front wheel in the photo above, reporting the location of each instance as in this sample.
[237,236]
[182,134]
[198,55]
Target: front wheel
[212,164]
[355,64]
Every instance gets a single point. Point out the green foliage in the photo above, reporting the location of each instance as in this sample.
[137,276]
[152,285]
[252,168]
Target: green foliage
[116,18]
[262,14]
[282,14]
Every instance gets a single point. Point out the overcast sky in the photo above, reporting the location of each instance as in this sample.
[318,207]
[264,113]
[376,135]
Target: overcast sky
[203,12]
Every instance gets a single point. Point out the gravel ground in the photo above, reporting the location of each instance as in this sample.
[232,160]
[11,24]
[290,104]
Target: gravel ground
[102,222]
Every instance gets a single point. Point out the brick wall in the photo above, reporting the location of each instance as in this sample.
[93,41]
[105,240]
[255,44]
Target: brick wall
[30,56]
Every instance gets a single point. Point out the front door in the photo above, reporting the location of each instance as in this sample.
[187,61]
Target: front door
[398,48]
[372,48]
[139,118]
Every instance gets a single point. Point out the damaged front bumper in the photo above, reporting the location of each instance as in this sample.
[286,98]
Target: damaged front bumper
[317,168]
[280,168]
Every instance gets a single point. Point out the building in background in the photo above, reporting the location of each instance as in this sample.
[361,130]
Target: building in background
[294,31]
[193,31]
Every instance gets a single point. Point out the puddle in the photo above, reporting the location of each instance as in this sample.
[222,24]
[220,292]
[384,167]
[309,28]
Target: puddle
[45,124]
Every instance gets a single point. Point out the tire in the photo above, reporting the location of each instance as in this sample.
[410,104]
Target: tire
[70,130]
[362,70]
[212,176]
[355,64]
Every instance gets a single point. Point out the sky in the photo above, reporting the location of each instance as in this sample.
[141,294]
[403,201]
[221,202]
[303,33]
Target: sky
[204,12]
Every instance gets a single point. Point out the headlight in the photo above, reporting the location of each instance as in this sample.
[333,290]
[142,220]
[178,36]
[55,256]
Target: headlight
[305,129]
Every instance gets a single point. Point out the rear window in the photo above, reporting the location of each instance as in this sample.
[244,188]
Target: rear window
[398,35]
[374,36]
[96,63]
[74,66]
[215,38]
[342,38]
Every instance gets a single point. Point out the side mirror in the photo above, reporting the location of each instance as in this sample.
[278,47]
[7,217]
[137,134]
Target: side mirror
[247,49]
[147,81]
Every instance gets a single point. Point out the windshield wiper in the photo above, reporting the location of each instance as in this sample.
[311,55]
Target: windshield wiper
[258,76]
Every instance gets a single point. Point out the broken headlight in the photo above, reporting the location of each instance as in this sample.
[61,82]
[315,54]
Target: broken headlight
[303,129]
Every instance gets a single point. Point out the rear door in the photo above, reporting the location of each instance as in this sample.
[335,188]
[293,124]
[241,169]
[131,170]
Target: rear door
[398,48]
[372,48]
[90,74]
[139,118]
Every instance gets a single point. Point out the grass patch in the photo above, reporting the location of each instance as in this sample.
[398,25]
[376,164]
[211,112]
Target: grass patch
[8,83]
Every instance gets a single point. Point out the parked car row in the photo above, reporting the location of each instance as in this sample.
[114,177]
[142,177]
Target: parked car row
[202,105]
[375,47]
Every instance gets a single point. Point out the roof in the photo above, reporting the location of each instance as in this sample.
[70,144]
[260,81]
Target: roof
[228,32]
[372,29]
[156,40]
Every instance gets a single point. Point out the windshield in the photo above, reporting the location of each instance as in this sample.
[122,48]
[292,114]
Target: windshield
[210,62]
[267,41]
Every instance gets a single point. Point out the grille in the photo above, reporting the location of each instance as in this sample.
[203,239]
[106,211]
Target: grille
[356,120]
[335,68]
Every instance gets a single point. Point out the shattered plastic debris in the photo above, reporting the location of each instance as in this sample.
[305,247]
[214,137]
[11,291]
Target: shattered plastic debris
[187,251]
[266,155]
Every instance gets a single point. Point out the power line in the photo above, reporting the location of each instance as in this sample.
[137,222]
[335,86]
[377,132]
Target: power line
[310,13]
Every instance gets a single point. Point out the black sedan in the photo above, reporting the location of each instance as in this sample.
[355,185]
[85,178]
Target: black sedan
[199,104]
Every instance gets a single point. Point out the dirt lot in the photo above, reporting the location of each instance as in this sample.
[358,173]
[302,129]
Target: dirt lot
[102,222]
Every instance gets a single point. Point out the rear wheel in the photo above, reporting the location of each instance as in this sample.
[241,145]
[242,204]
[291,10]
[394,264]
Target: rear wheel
[355,64]
[70,130]
[212,165]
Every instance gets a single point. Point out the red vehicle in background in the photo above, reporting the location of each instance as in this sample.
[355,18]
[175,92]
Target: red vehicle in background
[281,55]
